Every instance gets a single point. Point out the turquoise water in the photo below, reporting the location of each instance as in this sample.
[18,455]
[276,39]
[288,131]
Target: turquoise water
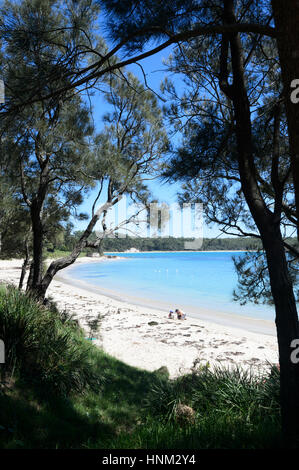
[181,280]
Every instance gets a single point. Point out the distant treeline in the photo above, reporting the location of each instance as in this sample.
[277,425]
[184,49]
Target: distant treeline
[178,244]
[66,241]
[162,244]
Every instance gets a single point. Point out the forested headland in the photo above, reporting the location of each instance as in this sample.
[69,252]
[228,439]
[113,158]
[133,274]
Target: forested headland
[163,244]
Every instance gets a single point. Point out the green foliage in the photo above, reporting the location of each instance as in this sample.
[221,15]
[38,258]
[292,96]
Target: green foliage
[177,244]
[14,218]
[233,409]
[42,347]
[233,392]
[165,244]
[121,407]
[211,432]
[84,420]
[47,40]
[133,139]
[143,20]
[127,414]
[253,277]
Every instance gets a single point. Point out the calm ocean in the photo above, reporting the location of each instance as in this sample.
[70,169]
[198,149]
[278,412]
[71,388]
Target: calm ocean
[175,280]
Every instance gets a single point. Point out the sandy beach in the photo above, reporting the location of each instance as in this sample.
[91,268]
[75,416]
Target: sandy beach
[144,337]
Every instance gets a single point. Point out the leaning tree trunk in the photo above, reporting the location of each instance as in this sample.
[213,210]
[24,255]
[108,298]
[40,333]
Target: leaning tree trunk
[39,290]
[269,228]
[286,16]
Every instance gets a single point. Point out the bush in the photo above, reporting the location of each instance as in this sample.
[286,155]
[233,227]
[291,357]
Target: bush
[235,392]
[44,348]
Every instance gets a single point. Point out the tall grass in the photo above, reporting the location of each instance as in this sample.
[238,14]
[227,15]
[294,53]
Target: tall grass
[233,409]
[43,347]
[234,391]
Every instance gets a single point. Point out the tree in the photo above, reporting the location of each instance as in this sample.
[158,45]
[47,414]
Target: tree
[47,151]
[129,148]
[267,221]
[132,25]
[138,22]
[221,23]
[43,146]
[286,15]
[15,233]
[227,151]
[50,146]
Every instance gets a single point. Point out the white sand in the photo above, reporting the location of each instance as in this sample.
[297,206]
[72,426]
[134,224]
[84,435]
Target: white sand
[125,332]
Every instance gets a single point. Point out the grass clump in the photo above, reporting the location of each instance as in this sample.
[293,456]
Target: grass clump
[232,409]
[234,391]
[42,347]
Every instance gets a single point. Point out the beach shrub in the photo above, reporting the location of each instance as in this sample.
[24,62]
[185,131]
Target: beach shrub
[231,392]
[162,399]
[44,348]
[162,371]
[184,415]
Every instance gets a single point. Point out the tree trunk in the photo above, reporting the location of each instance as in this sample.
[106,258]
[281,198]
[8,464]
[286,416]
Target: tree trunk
[287,330]
[37,263]
[39,290]
[24,266]
[268,225]
[29,280]
[286,16]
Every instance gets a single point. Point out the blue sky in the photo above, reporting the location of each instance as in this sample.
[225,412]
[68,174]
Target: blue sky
[164,192]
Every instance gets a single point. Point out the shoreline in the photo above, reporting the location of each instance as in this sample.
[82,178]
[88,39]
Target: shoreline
[147,339]
[182,251]
[252,325]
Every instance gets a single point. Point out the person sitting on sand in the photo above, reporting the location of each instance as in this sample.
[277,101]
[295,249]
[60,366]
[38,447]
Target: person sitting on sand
[170,314]
[179,314]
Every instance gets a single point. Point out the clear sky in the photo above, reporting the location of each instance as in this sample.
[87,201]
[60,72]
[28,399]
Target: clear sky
[164,192]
